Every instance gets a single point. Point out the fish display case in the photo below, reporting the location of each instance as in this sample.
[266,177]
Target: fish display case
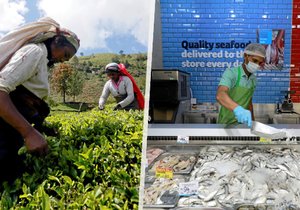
[233,168]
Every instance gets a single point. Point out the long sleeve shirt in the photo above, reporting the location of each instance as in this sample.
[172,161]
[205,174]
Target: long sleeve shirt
[27,67]
[124,87]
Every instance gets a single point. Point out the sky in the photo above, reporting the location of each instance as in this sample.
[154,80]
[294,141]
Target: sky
[103,26]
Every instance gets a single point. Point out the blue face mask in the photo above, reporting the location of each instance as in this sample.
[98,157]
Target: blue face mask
[252,67]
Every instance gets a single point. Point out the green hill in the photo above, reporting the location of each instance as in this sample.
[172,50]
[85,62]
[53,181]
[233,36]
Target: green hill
[92,68]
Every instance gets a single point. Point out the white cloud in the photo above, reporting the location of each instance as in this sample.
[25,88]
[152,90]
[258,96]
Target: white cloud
[12,12]
[95,20]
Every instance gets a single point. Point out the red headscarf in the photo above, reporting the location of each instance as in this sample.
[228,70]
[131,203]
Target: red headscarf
[137,91]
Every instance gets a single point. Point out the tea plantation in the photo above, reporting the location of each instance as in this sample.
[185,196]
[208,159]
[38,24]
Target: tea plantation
[94,163]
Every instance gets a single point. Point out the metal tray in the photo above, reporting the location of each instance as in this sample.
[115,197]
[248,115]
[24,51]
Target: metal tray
[164,150]
[185,155]
[180,178]
[266,131]
[171,198]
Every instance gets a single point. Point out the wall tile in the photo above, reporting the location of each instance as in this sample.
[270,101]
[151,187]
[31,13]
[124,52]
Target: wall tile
[238,20]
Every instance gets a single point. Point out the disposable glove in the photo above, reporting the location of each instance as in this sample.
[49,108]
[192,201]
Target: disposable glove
[243,115]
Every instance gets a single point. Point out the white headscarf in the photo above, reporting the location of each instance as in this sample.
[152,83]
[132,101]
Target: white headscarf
[35,32]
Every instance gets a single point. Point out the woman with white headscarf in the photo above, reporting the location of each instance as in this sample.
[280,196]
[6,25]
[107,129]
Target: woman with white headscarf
[25,56]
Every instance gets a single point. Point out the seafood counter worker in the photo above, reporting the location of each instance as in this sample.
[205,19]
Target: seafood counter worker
[121,88]
[237,86]
[26,54]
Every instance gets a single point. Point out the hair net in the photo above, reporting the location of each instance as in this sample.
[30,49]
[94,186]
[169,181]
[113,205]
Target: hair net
[255,49]
[112,67]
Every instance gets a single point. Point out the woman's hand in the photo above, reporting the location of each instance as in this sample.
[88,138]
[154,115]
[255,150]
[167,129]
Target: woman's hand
[34,140]
[36,143]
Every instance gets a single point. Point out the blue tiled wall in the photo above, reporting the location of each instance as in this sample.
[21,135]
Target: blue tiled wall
[217,21]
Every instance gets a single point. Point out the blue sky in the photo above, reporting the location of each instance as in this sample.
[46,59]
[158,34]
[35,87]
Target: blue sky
[101,25]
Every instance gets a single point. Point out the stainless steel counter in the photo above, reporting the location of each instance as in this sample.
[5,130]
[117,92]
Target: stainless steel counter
[287,118]
[212,129]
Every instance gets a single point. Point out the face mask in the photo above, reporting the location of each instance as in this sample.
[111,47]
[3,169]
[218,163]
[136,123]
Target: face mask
[252,67]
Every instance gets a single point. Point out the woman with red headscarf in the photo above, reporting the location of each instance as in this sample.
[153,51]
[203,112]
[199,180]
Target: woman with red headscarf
[122,87]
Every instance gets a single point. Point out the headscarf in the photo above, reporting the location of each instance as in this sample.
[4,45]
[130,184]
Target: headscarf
[112,67]
[34,32]
[70,36]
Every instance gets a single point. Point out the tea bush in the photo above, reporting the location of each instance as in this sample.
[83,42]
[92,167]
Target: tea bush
[94,163]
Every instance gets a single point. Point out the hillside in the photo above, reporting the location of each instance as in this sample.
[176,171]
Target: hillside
[92,69]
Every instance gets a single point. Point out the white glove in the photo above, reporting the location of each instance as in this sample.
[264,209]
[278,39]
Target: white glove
[101,107]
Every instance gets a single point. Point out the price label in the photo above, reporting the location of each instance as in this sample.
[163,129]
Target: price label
[169,173]
[183,139]
[160,172]
[164,172]
[188,188]
[265,140]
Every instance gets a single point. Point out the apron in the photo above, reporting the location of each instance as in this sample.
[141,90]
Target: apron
[241,95]
[132,105]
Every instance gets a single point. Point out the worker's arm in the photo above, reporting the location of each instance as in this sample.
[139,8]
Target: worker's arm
[224,99]
[242,115]
[34,141]
[105,94]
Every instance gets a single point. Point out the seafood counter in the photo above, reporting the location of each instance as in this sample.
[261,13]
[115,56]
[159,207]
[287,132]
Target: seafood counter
[201,175]
[226,175]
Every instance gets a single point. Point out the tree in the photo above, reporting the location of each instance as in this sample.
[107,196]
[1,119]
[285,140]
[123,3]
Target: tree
[60,77]
[75,84]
